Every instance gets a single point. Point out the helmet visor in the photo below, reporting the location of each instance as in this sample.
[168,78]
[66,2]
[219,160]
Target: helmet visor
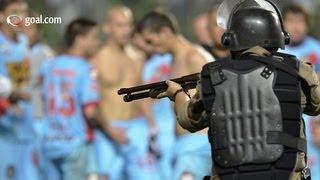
[227,8]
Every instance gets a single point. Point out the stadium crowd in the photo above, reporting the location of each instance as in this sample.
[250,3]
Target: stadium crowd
[61,117]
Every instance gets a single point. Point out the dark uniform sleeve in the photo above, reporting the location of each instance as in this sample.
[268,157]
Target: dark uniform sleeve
[192,116]
[310,96]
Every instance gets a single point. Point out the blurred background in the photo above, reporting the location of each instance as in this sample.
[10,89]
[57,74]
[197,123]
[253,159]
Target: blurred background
[185,11]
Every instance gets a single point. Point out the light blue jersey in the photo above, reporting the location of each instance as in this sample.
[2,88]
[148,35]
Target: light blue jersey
[18,137]
[14,63]
[158,68]
[12,54]
[308,50]
[68,85]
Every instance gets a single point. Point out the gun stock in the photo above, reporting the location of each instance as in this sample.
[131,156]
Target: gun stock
[153,89]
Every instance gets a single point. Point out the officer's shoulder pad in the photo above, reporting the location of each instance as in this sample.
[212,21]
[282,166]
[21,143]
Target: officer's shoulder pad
[291,56]
[210,64]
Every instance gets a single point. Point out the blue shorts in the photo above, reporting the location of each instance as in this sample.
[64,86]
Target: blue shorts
[71,167]
[166,123]
[192,156]
[130,161]
[104,157]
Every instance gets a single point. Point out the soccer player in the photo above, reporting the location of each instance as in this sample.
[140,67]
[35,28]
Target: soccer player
[128,130]
[18,143]
[14,45]
[159,29]
[71,96]
[158,68]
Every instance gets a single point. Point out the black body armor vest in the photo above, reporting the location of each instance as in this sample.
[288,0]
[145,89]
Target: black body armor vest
[255,116]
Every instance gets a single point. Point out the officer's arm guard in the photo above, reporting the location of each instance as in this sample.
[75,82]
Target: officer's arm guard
[192,116]
[310,97]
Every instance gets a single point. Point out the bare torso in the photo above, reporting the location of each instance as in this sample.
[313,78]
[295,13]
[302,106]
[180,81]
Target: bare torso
[188,61]
[116,70]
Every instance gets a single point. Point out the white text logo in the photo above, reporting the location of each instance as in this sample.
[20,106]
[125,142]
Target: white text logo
[15,20]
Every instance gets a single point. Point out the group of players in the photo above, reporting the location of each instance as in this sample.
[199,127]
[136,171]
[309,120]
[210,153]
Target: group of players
[64,119]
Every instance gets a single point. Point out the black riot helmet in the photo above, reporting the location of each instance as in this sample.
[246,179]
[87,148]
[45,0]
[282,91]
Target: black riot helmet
[250,23]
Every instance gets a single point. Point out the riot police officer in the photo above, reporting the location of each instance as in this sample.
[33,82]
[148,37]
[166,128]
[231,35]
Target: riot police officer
[252,102]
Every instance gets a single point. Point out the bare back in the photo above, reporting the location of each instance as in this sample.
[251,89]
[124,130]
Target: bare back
[190,60]
[116,70]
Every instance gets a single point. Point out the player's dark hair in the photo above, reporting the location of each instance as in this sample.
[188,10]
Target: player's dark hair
[5,3]
[297,9]
[156,20]
[79,26]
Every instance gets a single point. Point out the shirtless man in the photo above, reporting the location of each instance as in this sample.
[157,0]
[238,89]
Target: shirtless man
[123,123]
[160,31]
